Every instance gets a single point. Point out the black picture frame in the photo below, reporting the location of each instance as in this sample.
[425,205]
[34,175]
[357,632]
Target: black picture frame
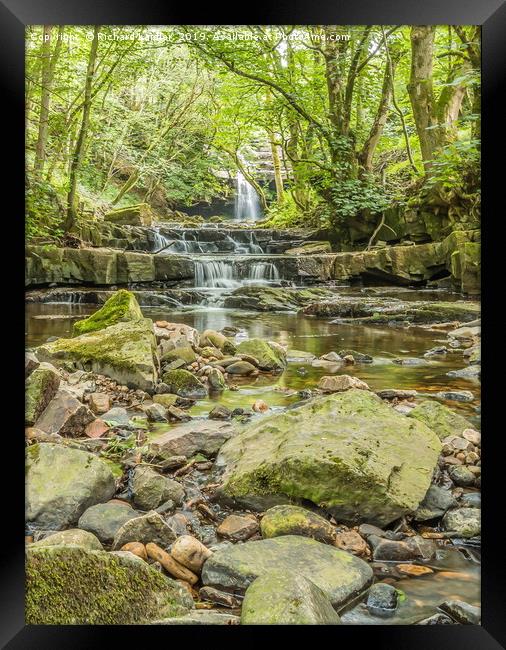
[491,14]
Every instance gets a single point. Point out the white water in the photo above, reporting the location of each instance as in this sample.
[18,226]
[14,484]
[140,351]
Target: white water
[220,274]
[264,271]
[247,205]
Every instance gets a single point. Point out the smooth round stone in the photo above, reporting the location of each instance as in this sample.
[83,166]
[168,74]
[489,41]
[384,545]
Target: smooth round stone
[105,519]
[382,599]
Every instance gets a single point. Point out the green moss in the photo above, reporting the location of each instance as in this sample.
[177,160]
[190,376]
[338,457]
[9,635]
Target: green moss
[72,586]
[121,306]
[438,417]
[183,383]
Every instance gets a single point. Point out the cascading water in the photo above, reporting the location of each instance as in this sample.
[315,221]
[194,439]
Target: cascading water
[247,205]
[225,274]
[263,272]
[159,240]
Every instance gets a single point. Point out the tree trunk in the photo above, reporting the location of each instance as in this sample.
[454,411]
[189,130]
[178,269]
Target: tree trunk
[421,92]
[276,163]
[77,157]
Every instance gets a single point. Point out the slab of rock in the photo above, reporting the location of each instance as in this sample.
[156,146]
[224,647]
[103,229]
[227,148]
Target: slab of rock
[456,395]
[280,598]
[438,417]
[243,368]
[395,393]
[294,520]
[105,519]
[183,383]
[435,503]
[117,416]
[122,306]
[61,483]
[125,352]
[99,403]
[463,522]
[65,415]
[148,528]
[140,214]
[340,575]
[268,355]
[150,489]
[71,537]
[462,612]
[237,528]
[31,362]
[411,548]
[68,585]
[41,386]
[156,413]
[338,383]
[219,597]
[198,436]
[349,453]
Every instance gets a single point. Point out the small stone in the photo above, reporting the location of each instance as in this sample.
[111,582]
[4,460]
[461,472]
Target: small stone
[463,522]
[359,357]
[382,599]
[190,553]
[435,503]
[219,597]
[413,570]
[220,413]
[456,395]
[150,489]
[237,528]
[259,406]
[156,413]
[351,541]
[137,549]
[398,551]
[437,619]
[294,520]
[146,528]
[216,380]
[105,519]
[170,565]
[176,414]
[241,368]
[338,383]
[99,403]
[116,416]
[71,537]
[473,436]
[394,393]
[461,476]
[471,500]
[349,360]
[462,612]
[96,429]
[331,356]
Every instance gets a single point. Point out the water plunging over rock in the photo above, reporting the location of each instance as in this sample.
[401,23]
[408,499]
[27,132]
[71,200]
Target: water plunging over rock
[247,205]
[234,273]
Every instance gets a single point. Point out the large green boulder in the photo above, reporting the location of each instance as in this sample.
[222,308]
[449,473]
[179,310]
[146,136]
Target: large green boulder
[294,520]
[120,307]
[442,420]
[183,383]
[269,356]
[40,388]
[349,453]
[126,352]
[280,598]
[68,585]
[61,483]
[340,575]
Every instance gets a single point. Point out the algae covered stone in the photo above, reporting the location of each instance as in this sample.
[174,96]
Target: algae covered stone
[183,383]
[41,386]
[280,598]
[294,520]
[125,352]
[120,307]
[68,585]
[71,537]
[61,483]
[268,355]
[348,453]
[442,420]
[340,575]
[131,215]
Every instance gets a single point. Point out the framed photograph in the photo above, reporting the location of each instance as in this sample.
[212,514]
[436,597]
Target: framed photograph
[252,322]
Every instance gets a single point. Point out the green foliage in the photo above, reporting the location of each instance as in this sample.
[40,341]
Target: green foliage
[349,198]
[43,211]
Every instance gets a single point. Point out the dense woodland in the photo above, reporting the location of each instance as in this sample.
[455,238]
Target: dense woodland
[356,118]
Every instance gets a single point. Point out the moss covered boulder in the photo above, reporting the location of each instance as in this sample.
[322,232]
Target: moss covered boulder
[183,383]
[217,340]
[61,483]
[132,215]
[74,586]
[274,298]
[71,537]
[348,453]
[269,355]
[294,520]
[340,575]
[125,352]
[41,386]
[442,420]
[120,307]
[280,598]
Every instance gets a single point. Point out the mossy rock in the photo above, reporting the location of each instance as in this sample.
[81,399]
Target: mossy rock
[40,388]
[68,585]
[442,420]
[186,354]
[211,338]
[268,355]
[274,298]
[184,384]
[120,307]
[125,352]
[281,598]
[348,453]
[71,537]
[294,520]
[131,215]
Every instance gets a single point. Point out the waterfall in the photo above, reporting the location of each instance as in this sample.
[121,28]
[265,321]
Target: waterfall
[159,241]
[215,274]
[247,205]
[264,272]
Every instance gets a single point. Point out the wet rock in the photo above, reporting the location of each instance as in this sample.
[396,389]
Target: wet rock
[170,565]
[165,399]
[198,436]
[302,454]
[216,380]
[61,483]
[472,373]
[217,597]
[105,519]
[358,357]
[241,368]
[337,383]
[465,333]
[437,619]
[237,528]
[125,352]
[156,413]
[148,528]
[217,340]
[184,384]
[463,522]
[413,570]
[339,575]
[190,553]
[65,415]
[31,362]
[461,476]
[293,520]
[438,351]
[65,585]
[436,502]
[456,395]
[382,599]
[176,414]
[122,306]
[438,417]
[280,598]
[462,612]
[394,393]
[398,551]
[40,388]
[259,406]
[220,412]
[268,355]
[137,549]
[99,403]
[71,537]
[333,357]
[150,489]
[410,361]
[471,500]
[351,541]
